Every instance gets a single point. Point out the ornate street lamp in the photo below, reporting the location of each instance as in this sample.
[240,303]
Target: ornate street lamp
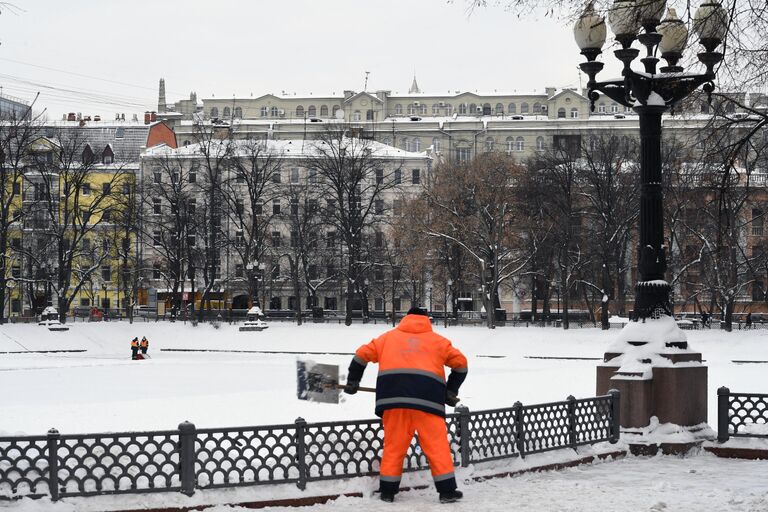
[643,362]
[650,93]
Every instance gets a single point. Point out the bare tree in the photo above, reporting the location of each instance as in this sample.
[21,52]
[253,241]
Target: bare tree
[474,205]
[75,196]
[16,135]
[352,179]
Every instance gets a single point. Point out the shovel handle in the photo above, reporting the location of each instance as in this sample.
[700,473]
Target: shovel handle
[361,388]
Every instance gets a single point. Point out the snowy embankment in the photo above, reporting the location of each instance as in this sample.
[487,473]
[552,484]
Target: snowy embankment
[103,390]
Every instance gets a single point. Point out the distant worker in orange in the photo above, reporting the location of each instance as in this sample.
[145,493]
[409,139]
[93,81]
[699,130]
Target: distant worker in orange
[411,393]
[134,348]
[144,345]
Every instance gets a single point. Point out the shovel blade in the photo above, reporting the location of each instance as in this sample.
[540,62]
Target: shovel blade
[317,382]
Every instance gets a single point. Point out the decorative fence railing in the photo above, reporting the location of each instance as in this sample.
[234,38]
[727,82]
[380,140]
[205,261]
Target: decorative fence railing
[186,459]
[741,415]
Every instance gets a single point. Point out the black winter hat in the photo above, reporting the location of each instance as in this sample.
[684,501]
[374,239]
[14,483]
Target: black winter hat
[417,310]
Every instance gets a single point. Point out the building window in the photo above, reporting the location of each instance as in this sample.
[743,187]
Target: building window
[396,304]
[157,238]
[511,108]
[239,206]
[16,271]
[276,239]
[435,109]
[416,176]
[276,302]
[757,222]
[398,176]
[294,206]
[86,189]
[758,292]
[397,207]
[462,109]
[330,242]
[423,110]
[106,188]
[264,111]
[463,154]
[614,109]
[398,110]
[379,176]
[561,113]
[519,144]
[274,112]
[276,207]
[379,239]
[416,145]
[357,116]
[312,111]
[227,112]
[369,115]
[106,216]
[106,273]
[300,111]
[214,112]
[435,144]
[240,238]
[406,144]
[378,304]
[336,108]
[324,111]
[276,177]
[294,175]
[157,206]
[540,143]
[192,206]
[448,109]
[378,207]
[524,108]
[499,109]
[537,108]
[601,108]
[489,144]
[156,271]
[330,303]
[238,112]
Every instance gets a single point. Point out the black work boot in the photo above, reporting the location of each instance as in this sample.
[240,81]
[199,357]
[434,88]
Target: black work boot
[451,496]
[387,497]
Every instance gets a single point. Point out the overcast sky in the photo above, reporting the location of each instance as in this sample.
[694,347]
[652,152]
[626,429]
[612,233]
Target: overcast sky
[106,56]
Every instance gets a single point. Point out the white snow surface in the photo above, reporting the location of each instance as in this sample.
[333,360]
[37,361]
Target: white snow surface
[102,390]
[696,483]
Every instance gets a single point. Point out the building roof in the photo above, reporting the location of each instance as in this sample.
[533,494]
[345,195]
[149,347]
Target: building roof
[292,148]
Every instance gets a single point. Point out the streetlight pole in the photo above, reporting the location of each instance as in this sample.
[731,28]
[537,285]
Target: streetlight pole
[648,377]
[650,94]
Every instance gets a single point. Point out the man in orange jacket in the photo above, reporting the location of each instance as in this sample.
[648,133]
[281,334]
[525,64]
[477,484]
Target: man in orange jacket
[411,393]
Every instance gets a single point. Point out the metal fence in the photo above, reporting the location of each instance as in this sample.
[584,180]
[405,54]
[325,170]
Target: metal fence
[189,458]
[735,411]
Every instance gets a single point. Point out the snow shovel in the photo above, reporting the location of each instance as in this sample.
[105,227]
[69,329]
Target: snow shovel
[320,382]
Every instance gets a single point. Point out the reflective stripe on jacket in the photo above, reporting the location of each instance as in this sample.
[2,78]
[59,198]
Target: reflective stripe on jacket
[412,360]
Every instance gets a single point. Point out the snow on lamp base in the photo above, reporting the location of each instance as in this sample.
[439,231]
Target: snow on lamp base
[655,376]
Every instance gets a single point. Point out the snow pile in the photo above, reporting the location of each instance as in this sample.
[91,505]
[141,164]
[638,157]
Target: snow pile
[657,433]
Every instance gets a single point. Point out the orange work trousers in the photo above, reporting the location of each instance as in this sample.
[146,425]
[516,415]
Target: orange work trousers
[399,427]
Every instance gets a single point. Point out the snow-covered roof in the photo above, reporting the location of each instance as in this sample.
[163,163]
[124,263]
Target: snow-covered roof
[293,148]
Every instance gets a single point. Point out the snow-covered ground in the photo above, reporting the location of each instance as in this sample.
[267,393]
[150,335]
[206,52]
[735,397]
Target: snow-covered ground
[103,390]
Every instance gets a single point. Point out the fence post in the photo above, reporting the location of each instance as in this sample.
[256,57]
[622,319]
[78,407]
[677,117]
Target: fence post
[723,399]
[187,457]
[53,463]
[301,452]
[615,416]
[465,435]
[517,410]
[572,421]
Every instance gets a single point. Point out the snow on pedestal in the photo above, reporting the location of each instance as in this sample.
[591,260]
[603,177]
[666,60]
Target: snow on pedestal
[654,376]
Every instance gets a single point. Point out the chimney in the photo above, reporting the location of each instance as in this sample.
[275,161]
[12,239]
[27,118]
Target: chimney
[117,116]
[122,116]
[71,117]
[135,118]
[153,116]
[161,105]
[550,91]
[147,117]
[348,94]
